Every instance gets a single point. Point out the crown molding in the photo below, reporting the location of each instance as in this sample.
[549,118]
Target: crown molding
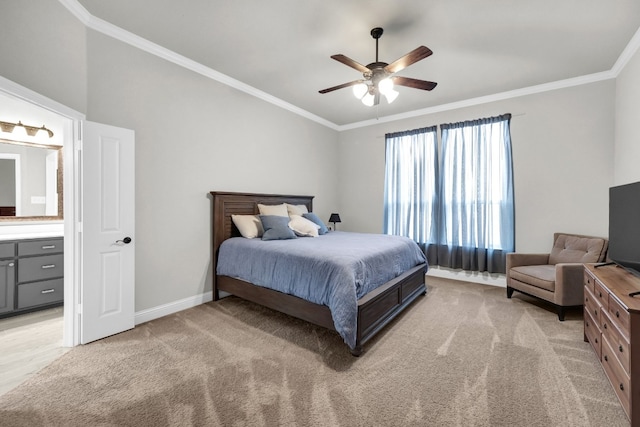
[531,90]
[627,53]
[125,36]
[145,45]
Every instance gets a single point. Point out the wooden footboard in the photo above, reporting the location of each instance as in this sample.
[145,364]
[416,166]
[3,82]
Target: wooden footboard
[375,310]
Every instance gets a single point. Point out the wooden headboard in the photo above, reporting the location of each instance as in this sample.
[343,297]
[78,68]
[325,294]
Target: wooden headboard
[225,204]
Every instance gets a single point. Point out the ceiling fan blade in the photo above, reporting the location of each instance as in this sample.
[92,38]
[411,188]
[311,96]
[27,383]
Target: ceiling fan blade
[414,83]
[410,58]
[331,89]
[351,63]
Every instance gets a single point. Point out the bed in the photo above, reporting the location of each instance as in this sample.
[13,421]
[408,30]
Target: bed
[375,309]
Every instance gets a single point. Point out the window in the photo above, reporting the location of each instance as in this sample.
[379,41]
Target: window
[411,185]
[469,221]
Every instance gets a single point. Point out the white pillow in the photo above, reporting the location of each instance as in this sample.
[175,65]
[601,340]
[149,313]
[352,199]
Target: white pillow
[249,226]
[303,227]
[297,209]
[279,210]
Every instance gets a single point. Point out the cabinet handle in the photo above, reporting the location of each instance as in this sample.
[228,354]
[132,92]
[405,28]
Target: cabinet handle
[47,291]
[587,323]
[48,246]
[11,264]
[48,266]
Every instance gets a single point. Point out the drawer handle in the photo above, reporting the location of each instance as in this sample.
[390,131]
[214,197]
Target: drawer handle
[11,264]
[617,313]
[48,246]
[596,340]
[600,294]
[44,267]
[47,291]
[587,324]
[605,325]
[620,348]
[621,387]
[605,358]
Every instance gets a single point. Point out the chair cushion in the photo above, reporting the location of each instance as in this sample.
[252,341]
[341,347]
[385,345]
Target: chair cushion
[568,248]
[540,276]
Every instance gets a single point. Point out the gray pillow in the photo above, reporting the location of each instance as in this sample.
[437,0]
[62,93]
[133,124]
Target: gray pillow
[315,218]
[276,228]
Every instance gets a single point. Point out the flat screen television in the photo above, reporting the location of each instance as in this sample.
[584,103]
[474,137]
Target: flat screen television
[624,226]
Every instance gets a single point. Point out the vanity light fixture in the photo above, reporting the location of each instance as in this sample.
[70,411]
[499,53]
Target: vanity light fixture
[9,127]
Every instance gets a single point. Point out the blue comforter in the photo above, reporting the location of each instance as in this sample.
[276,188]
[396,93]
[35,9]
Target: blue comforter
[335,269]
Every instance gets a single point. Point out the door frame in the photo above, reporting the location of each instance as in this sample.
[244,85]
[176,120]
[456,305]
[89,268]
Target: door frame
[72,141]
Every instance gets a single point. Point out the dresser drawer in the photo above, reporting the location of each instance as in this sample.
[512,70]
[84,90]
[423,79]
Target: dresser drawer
[592,332]
[619,315]
[601,293]
[38,293]
[40,268]
[7,250]
[619,344]
[617,376]
[40,247]
[592,305]
[589,281]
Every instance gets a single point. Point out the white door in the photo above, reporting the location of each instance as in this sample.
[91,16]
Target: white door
[108,241]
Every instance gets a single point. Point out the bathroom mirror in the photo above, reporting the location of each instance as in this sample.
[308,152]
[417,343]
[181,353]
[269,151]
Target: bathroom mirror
[30,181]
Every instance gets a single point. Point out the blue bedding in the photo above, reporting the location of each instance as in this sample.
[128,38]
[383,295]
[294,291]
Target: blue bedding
[334,269]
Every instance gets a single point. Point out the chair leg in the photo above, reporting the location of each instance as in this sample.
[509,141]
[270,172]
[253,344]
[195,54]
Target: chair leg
[509,292]
[561,312]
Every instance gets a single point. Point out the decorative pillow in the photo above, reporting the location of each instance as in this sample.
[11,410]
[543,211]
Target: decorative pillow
[297,209]
[280,210]
[276,227]
[314,218]
[249,226]
[303,227]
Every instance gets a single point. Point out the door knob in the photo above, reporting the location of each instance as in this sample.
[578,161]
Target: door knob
[126,240]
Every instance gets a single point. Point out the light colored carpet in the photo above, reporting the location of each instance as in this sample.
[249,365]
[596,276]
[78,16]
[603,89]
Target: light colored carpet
[464,355]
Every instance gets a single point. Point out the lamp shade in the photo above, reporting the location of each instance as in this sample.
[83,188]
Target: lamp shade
[334,218]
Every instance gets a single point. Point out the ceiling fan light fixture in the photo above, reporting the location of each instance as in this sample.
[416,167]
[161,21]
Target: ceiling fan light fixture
[391,95]
[368,99]
[360,90]
[385,86]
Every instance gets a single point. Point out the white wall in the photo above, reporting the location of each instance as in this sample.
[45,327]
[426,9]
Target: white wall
[43,47]
[562,155]
[193,135]
[627,134]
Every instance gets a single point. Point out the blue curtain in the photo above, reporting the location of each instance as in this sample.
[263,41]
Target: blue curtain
[476,211]
[411,184]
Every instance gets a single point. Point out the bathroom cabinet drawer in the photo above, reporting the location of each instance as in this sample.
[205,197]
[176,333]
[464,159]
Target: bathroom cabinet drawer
[40,247]
[7,250]
[40,268]
[39,293]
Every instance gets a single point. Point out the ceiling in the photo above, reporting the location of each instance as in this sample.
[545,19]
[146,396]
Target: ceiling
[481,48]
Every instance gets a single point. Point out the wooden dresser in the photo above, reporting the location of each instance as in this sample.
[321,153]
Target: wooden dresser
[612,326]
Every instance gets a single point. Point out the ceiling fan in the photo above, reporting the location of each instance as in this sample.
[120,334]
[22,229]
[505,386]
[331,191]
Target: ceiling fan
[379,76]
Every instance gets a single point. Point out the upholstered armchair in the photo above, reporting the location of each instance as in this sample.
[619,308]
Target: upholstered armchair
[556,277]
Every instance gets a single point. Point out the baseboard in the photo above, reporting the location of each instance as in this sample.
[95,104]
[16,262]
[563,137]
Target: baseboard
[482,277]
[172,307]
